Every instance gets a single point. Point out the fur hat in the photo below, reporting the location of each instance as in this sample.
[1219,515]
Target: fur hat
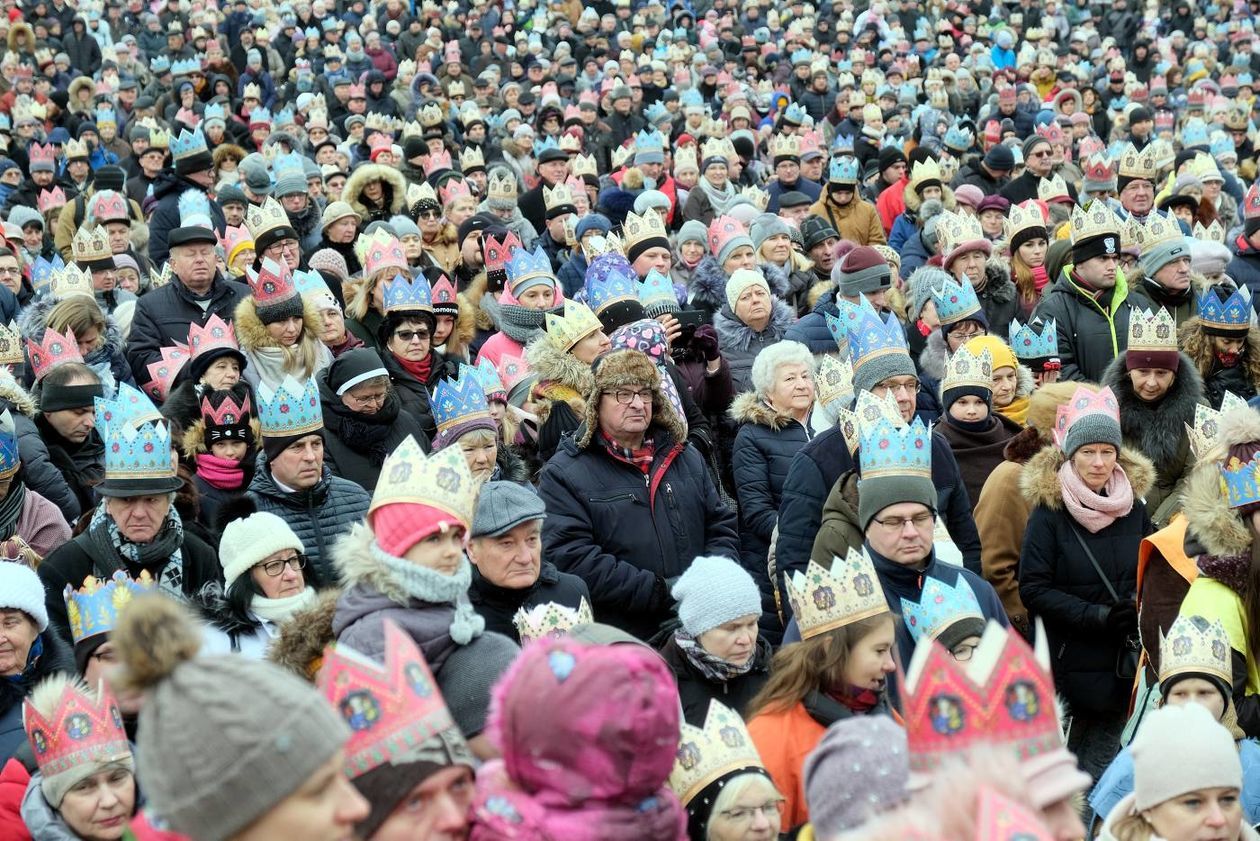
[621,368]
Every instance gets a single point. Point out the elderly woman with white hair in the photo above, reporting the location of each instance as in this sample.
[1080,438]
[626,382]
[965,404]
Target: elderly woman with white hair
[774,422]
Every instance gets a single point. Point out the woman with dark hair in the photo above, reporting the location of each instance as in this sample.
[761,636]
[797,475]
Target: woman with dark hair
[222,444]
[405,337]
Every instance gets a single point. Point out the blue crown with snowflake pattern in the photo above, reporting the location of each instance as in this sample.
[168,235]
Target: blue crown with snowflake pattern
[523,265]
[1232,314]
[959,139]
[649,139]
[890,450]
[459,400]
[871,337]
[405,294]
[843,170]
[42,272]
[1222,144]
[846,316]
[10,458]
[185,66]
[842,145]
[939,607]
[802,56]
[955,301]
[187,143]
[491,382]
[129,405]
[214,111]
[290,410]
[655,113]
[657,289]
[609,282]
[1194,133]
[1028,344]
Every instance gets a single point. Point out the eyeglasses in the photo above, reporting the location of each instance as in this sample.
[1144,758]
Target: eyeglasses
[1044,153]
[625,396]
[276,567]
[963,653]
[966,336]
[896,524]
[409,336]
[14,270]
[745,814]
[911,387]
[286,246]
[368,399]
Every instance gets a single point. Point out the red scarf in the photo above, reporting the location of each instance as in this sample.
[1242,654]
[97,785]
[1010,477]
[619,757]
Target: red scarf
[1040,278]
[222,473]
[860,701]
[420,370]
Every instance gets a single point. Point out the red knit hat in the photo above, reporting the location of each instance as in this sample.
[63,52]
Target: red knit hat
[401,525]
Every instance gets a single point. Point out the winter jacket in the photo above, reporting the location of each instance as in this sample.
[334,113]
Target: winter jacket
[1241,380]
[1146,294]
[999,298]
[625,535]
[81,465]
[1157,431]
[57,658]
[317,515]
[38,471]
[1244,268]
[914,255]
[167,189]
[975,175]
[163,316]
[811,330]
[14,777]
[498,605]
[858,221]
[740,344]
[978,453]
[696,690]
[1090,335]
[1060,585]
[393,195]
[349,451]
[777,188]
[415,394]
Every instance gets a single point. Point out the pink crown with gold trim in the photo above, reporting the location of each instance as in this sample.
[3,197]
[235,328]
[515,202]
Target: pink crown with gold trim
[722,230]
[437,162]
[49,199]
[227,413]
[82,729]
[217,334]
[454,188]
[512,370]
[45,154]
[395,710]
[1251,202]
[53,350]
[1085,401]
[235,236]
[498,253]
[445,298]
[163,372]
[380,250]
[272,283]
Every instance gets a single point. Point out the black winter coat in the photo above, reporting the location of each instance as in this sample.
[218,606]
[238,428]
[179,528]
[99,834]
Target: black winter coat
[1245,267]
[627,538]
[497,605]
[82,466]
[1089,338]
[57,658]
[696,690]
[163,316]
[415,394]
[167,189]
[354,447]
[38,471]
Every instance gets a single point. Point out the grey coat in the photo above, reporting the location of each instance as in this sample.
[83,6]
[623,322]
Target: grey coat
[740,344]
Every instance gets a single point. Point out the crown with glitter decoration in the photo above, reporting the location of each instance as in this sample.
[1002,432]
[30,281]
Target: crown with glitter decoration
[95,608]
[1024,217]
[1159,228]
[217,334]
[501,185]
[53,350]
[395,710]
[491,382]
[164,370]
[1003,696]
[1195,645]
[657,289]
[1207,423]
[292,409]
[871,337]
[551,620]
[442,481]
[522,266]
[957,228]
[1084,401]
[825,599]
[955,301]
[91,244]
[405,294]
[45,154]
[379,250]
[843,170]
[10,344]
[558,196]
[83,728]
[1097,219]
[636,228]
[940,606]
[1029,345]
[890,449]
[265,217]
[472,158]
[577,322]
[722,230]
[707,754]
[1152,331]
[610,280]
[583,165]
[272,283]
[42,272]
[459,400]
[1233,314]
[71,281]
[1135,164]
[188,143]
[966,369]
[834,381]
[1053,188]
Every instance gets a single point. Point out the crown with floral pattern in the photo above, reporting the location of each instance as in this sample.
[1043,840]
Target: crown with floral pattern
[610,280]
[1135,164]
[442,481]
[459,400]
[472,158]
[1152,330]
[550,620]
[406,294]
[955,301]
[10,458]
[454,189]
[10,344]
[52,350]
[722,230]
[1095,220]
[1029,345]
[1085,401]
[70,281]
[1000,818]
[1235,313]
[1159,228]
[129,405]
[1053,188]
[957,228]
[834,381]
[1195,645]
[966,369]
[42,271]
[891,449]
[379,250]
[91,244]
[266,217]
[290,410]
[598,245]
[83,728]
[558,196]
[657,291]
[636,229]
[577,322]
[497,253]
[940,606]
[1024,217]
[96,607]
[523,266]
[74,149]
[217,334]
[1240,481]
[228,414]
[825,599]
[137,441]
[272,284]
[871,337]
[491,383]
[706,754]
[1212,233]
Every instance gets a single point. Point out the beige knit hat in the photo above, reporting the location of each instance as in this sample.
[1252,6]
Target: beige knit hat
[1182,749]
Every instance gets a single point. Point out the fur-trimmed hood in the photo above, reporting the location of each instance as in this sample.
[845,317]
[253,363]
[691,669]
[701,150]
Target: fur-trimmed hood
[708,284]
[299,645]
[252,334]
[395,188]
[777,277]
[734,333]
[1197,345]
[33,322]
[1025,383]
[998,287]
[352,556]
[21,27]
[914,202]
[76,84]
[1156,429]
[1217,526]
[212,603]
[748,407]
[622,368]
[554,365]
[11,390]
[1039,480]
[932,357]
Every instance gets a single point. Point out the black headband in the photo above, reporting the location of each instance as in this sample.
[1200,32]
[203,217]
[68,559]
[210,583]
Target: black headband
[58,398]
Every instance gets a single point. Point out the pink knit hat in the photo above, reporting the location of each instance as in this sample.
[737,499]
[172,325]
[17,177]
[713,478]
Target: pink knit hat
[401,525]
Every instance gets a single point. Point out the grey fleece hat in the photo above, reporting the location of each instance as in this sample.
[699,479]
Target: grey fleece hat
[879,492]
[693,231]
[865,756]
[1092,428]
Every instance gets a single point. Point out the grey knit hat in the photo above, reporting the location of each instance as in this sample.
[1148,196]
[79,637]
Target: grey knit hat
[23,216]
[920,287]
[1091,428]
[468,676]
[765,226]
[713,591]
[222,740]
[879,492]
[289,183]
[1163,253]
[874,371]
[866,757]
[693,231]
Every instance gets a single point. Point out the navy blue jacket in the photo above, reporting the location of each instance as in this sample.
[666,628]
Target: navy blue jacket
[1245,268]
[812,331]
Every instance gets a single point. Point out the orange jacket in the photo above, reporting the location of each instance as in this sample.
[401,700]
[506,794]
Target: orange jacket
[783,739]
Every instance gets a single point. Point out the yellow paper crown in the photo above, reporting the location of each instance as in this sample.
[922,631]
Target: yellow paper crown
[565,331]
[442,481]
[1023,217]
[1052,188]
[91,244]
[785,145]
[1212,233]
[1135,164]
[1159,228]
[1152,330]
[825,599]
[1195,645]
[928,170]
[835,379]
[706,754]
[957,228]
[471,158]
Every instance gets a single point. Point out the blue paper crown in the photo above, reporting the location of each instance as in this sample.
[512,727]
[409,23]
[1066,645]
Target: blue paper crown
[802,56]
[871,337]
[844,170]
[214,111]
[691,97]
[1234,313]
[543,145]
[654,114]
[648,140]
[939,607]
[609,282]
[889,450]
[1028,344]
[93,609]
[194,210]
[185,66]
[284,117]
[955,301]
[188,143]
[137,451]
[42,271]
[845,318]
[260,115]
[1222,144]
[459,400]
[128,406]
[657,288]
[794,113]
[1241,481]
[5,122]
[290,410]
[1194,133]
[524,265]
[106,114]
[292,162]
[959,138]
[310,282]
[160,64]
[10,458]
[402,294]
[491,382]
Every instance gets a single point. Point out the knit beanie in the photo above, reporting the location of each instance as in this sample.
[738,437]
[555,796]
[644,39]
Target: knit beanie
[862,270]
[693,231]
[401,525]
[222,740]
[650,200]
[1000,351]
[468,677]
[740,280]
[21,589]
[765,226]
[274,445]
[289,183]
[1209,258]
[866,757]
[1154,259]
[404,227]
[713,591]
[728,247]
[1181,749]
[1000,158]
[874,371]
[109,177]
[889,156]
[246,542]
[593,222]
[1091,428]
[328,261]
[1031,143]
[920,285]
[879,492]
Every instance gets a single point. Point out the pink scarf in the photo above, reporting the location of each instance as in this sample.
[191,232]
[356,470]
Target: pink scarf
[222,473]
[1094,511]
[1040,278]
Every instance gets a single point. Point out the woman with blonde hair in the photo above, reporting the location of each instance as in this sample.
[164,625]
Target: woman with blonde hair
[278,330]
[382,257]
[100,341]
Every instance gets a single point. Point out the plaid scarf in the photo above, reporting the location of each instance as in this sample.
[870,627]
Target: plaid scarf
[640,457]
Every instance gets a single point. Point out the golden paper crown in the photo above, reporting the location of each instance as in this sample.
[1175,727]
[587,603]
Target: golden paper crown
[685,158]
[602,244]
[1159,228]
[758,197]
[1152,331]
[1204,433]
[1203,167]
[10,344]
[706,754]
[551,620]
[867,410]
[1130,230]
[75,149]
[554,197]
[70,281]
[835,379]
[252,91]
[90,245]
[583,165]
[957,228]
[412,129]
[785,145]
[431,115]
[964,368]
[1054,187]
[928,170]
[266,217]
[1023,217]
[565,331]
[471,158]
[1135,164]
[1095,220]
[713,148]
[1195,645]
[442,481]
[637,228]
[620,155]
[825,599]
[1212,233]
[159,138]
[501,185]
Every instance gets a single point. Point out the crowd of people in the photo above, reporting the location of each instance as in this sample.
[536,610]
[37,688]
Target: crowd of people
[621,421]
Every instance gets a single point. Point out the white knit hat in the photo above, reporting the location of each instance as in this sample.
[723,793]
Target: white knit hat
[740,280]
[713,591]
[21,589]
[247,541]
[1179,750]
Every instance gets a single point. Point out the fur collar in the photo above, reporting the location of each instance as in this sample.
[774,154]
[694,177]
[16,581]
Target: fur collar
[1216,526]
[736,334]
[750,408]
[33,321]
[1025,385]
[1024,445]
[932,357]
[213,604]
[1197,345]
[555,365]
[252,334]
[778,279]
[1039,480]
[352,555]
[708,283]
[395,186]
[1157,430]
[18,397]
[299,644]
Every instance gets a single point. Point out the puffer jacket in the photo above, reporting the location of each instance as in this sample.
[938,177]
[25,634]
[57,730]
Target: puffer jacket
[318,515]
[706,290]
[1090,336]
[57,658]
[740,344]
[812,331]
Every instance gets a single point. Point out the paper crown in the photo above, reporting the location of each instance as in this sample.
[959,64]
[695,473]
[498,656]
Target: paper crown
[1234,313]
[188,143]
[958,228]
[71,281]
[843,170]
[268,216]
[1135,164]
[999,818]
[577,322]
[52,350]
[445,298]
[96,607]
[610,280]
[501,185]
[550,620]
[825,599]
[442,481]
[459,400]
[42,271]
[785,146]
[235,238]
[585,165]
[110,206]
[75,149]
[637,229]
[1159,228]
[925,171]
[706,754]
[834,380]
[889,449]
[1195,645]
[10,344]
[45,154]
[379,250]
[522,266]
[1096,220]
[598,245]
[49,199]
[137,444]
[290,410]
[1212,233]
[228,413]
[394,709]
[405,294]
[964,368]
[1029,345]
[1053,188]
[1099,168]
[1240,481]
[959,139]
[164,370]
[1152,330]
[955,301]
[82,729]
[91,245]
[453,189]
[939,607]
[657,288]
[558,196]
[1251,202]
[1204,433]
[217,334]
[871,337]
[1003,696]
[1024,217]
[497,253]
[491,382]
[1085,401]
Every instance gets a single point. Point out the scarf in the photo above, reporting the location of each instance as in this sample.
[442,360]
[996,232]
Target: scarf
[161,556]
[420,370]
[1017,410]
[221,473]
[431,586]
[1094,511]
[272,365]
[1040,279]
[713,668]
[719,200]
[367,435]
[276,611]
[11,508]
[521,324]
[858,700]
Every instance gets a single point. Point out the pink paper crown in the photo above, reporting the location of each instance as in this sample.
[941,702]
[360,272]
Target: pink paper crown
[163,372]
[233,236]
[1092,146]
[451,53]
[49,199]
[384,252]
[358,92]
[1052,132]
[1085,401]
[110,206]
[215,335]
[512,369]
[380,142]
[588,96]
[53,350]
[228,412]
[454,188]
[82,730]
[42,154]
[437,162]
[1251,202]
[998,818]
[811,141]
[272,283]
[444,294]
[572,112]
[498,253]
[722,230]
